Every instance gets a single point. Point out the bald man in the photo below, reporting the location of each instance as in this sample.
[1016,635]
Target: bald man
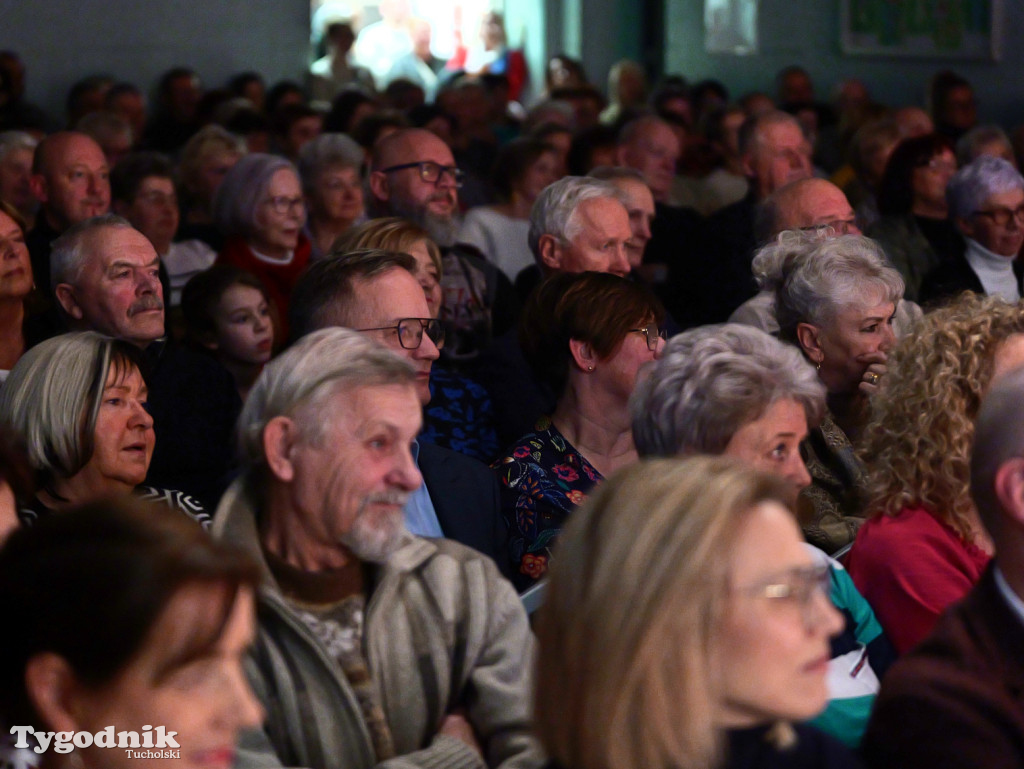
[815,206]
[70,178]
[414,176]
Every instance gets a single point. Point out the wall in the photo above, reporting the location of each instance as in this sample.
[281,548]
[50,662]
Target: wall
[807,32]
[137,40]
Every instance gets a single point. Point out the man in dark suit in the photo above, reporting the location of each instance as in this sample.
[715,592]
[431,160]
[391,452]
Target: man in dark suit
[957,700]
[375,292]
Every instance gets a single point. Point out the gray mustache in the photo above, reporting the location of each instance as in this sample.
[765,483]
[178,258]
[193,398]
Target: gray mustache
[145,303]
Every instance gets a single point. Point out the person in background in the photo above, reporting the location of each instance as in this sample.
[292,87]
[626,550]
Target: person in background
[710,659]
[261,210]
[332,74]
[142,190]
[459,415]
[127,101]
[16,151]
[227,313]
[924,546]
[16,483]
[986,202]
[523,169]
[914,228]
[330,167]
[586,335]
[111,131]
[836,301]
[985,140]
[18,331]
[205,161]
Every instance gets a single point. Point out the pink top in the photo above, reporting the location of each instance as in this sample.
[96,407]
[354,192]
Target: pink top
[910,567]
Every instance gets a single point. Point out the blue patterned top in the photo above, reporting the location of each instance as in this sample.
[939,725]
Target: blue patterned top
[459,416]
[543,479]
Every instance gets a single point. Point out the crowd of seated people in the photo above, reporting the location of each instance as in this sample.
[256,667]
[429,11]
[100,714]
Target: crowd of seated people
[311,397]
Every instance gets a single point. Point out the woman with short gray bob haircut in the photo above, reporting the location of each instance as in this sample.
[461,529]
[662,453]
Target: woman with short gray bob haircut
[836,302]
[713,382]
[971,187]
[236,203]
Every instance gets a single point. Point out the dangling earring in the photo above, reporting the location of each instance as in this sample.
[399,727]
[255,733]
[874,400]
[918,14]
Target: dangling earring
[817,366]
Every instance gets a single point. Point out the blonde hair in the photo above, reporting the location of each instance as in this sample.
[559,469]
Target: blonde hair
[390,233]
[918,441]
[626,675]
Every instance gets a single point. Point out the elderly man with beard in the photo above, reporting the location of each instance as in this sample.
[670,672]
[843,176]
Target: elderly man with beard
[105,275]
[414,176]
[376,647]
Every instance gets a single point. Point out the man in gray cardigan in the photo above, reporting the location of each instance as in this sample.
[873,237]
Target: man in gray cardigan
[375,647]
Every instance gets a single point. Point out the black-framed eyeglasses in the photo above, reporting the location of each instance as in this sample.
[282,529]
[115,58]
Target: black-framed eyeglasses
[430,172]
[282,204]
[653,334]
[411,331]
[1001,216]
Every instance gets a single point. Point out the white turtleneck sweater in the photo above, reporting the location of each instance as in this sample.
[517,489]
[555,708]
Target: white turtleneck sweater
[993,270]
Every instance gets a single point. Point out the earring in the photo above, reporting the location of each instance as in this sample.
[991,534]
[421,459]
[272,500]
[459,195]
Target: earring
[590,368]
[817,366]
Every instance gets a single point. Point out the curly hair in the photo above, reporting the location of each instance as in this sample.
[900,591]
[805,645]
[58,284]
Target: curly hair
[917,445]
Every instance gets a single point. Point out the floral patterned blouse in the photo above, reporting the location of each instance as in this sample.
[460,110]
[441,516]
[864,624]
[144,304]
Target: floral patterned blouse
[543,479]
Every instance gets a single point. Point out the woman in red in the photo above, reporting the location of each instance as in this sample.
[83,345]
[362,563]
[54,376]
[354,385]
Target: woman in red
[924,548]
[261,210]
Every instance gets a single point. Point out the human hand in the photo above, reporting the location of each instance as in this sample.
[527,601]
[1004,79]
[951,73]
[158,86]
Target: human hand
[456,725]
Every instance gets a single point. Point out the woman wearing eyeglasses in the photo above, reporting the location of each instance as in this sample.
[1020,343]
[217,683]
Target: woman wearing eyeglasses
[986,201]
[587,335]
[685,625]
[914,229]
[261,210]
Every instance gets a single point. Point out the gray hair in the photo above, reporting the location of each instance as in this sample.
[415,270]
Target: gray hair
[998,438]
[554,210]
[968,146]
[979,180]
[713,380]
[328,150]
[68,254]
[243,189]
[838,272]
[298,382]
[752,128]
[16,140]
[768,262]
[53,394]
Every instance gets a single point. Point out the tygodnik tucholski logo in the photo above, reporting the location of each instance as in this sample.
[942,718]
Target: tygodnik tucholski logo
[150,743]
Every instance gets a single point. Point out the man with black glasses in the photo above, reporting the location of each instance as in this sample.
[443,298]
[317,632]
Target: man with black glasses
[413,175]
[375,292]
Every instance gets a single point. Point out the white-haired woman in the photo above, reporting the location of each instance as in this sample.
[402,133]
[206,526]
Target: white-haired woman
[261,210]
[836,302]
[986,202]
[78,404]
[330,167]
[705,659]
[736,391]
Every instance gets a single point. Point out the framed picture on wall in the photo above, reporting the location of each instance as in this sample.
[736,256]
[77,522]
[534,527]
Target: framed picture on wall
[947,29]
[730,26]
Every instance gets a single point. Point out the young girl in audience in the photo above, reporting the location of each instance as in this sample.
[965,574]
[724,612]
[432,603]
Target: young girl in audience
[227,313]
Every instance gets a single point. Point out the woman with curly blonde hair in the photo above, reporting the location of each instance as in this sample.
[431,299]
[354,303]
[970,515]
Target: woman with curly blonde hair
[925,547]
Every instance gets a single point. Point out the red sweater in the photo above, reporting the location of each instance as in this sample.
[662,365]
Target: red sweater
[910,567]
[279,279]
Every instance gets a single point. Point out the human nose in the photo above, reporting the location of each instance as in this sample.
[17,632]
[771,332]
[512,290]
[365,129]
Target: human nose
[240,703]
[797,471]
[620,262]
[822,616]
[405,474]
[888,338]
[140,417]
[427,349]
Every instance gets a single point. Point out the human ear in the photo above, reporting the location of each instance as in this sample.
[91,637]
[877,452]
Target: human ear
[582,354]
[809,337]
[379,185]
[40,190]
[966,226]
[279,439]
[550,252]
[65,294]
[52,689]
[1009,488]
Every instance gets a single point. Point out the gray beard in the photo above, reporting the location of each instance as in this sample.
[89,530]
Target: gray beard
[441,229]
